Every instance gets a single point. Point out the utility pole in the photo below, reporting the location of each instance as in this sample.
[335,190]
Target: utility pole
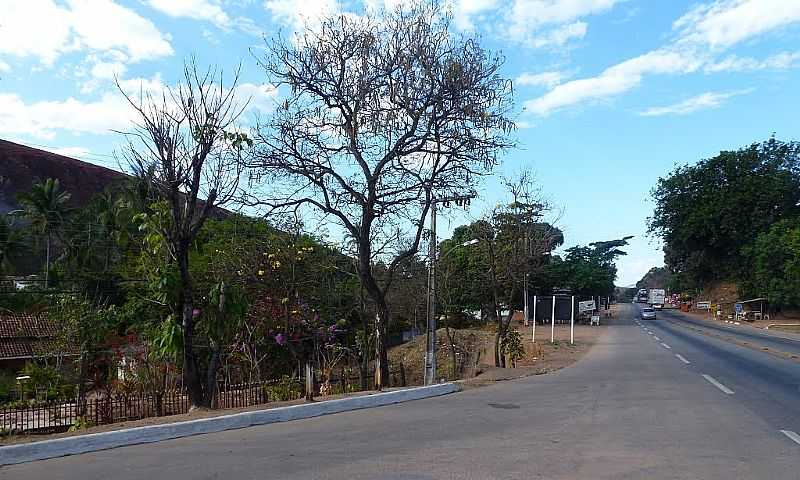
[525,299]
[430,343]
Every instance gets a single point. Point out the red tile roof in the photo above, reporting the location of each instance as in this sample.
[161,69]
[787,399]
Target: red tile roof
[26,335]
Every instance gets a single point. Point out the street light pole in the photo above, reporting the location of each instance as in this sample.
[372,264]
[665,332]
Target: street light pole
[430,343]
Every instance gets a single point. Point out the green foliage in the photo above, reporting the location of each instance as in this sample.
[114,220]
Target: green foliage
[588,270]
[7,386]
[12,245]
[45,205]
[81,423]
[708,212]
[774,258]
[512,346]
[287,388]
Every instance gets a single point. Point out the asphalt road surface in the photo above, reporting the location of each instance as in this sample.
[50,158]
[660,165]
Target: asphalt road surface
[684,405]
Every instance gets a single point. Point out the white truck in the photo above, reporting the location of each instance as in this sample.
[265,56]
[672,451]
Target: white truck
[655,297]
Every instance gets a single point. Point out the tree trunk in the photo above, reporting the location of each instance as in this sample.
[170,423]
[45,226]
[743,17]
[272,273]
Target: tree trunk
[82,384]
[191,371]
[452,346]
[211,377]
[381,355]
[382,318]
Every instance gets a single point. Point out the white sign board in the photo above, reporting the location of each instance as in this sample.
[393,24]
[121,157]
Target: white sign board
[586,306]
[703,305]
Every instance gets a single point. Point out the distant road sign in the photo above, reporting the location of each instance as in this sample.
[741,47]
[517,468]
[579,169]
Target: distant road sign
[703,305]
[738,307]
[586,306]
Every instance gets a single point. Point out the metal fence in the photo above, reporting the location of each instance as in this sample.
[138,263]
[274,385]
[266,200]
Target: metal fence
[60,416]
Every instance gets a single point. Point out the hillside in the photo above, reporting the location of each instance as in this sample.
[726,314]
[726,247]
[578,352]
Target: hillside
[657,277]
[21,166]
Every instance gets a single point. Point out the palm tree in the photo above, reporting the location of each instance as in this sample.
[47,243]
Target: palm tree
[45,205]
[10,245]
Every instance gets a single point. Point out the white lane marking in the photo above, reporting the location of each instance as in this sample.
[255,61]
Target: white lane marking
[651,333]
[713,381]
[680,357]
[792,435]
[666,346]
[656,338]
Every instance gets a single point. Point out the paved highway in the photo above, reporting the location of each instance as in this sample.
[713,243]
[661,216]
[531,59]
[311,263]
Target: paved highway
[681,406]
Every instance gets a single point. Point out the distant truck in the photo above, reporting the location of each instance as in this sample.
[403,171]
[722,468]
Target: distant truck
[641,297]
[655,297]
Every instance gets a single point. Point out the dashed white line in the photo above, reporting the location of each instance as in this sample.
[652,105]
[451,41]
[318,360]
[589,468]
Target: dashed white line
[713,381]
[666,346]
[792,435]
[680,357]
[656,338]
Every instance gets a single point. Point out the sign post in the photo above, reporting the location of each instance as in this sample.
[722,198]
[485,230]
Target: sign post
[533,329]
[572,322]
[553,322]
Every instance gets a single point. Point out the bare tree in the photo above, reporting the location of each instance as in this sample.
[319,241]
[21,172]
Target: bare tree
[186,145]
[384,113]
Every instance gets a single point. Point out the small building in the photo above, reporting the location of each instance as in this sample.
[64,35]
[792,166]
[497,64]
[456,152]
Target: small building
[24,337]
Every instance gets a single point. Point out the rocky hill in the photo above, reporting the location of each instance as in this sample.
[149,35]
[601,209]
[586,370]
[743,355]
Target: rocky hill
[21,166]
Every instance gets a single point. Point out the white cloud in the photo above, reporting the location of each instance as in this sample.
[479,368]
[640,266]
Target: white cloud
[558,37]
[4,67]
[260,97]
[527,19]
[298,13]
[74,152]
[700,102]
[722,24]
[613,81]
[108,70]
[206,10]
[543,79]
[43,119]
[733,63]
[46,30]
[703,32]
[104,115]
[464,11]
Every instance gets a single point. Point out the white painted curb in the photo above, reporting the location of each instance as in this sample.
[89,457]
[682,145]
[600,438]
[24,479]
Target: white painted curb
[60,447]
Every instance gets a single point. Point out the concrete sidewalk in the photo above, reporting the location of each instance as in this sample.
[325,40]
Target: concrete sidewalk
[119,438]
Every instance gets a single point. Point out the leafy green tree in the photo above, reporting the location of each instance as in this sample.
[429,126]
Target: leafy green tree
[774,258]
[589,270]
[84,328]
[45,206]
[706,213]
[513,241]
[97,240]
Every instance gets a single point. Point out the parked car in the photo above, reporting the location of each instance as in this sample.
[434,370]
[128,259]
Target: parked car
[648,314]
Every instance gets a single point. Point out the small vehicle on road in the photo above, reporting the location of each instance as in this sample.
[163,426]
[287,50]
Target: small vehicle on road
[648,314]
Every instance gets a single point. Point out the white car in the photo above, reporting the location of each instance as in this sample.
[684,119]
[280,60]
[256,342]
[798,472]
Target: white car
[648,314]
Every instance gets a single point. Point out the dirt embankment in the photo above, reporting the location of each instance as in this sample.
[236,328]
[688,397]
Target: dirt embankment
[474,353]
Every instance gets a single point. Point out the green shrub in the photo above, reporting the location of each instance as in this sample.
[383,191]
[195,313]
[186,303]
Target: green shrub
[512,346]
[287,388]
[7,387]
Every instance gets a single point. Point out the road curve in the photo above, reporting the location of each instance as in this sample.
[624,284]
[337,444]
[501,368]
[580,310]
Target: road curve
[631,409]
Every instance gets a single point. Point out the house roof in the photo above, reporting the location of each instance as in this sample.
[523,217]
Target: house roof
[26,325]
[26,335]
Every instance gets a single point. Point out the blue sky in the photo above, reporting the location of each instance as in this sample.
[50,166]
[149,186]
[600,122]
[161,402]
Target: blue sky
[611,94]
